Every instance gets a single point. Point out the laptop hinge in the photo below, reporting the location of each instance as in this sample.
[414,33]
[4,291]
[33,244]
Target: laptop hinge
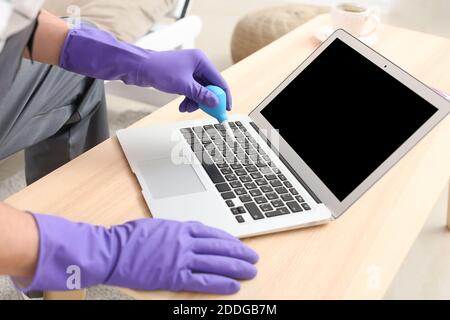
[288,166]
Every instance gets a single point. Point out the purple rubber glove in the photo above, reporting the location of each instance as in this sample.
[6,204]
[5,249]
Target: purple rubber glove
[148,254]
[98,54]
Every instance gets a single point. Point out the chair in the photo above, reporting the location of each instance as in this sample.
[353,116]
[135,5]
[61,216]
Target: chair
[178,34]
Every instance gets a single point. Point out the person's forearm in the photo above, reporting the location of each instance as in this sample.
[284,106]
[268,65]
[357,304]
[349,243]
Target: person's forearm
[48,39]
[19,242]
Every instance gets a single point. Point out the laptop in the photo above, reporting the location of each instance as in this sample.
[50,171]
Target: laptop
[317,143]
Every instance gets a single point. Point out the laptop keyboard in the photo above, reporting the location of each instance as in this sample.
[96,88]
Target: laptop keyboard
[249,182]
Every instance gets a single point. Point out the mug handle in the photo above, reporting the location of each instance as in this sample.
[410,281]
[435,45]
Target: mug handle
[375,21]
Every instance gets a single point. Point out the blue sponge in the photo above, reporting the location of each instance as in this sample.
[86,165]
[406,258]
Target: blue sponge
[220,111]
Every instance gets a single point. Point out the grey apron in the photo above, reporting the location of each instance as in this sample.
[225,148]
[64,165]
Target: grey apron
[53,114]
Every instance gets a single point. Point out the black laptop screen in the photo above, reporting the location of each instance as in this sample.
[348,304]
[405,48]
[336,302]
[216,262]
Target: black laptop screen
[344,116]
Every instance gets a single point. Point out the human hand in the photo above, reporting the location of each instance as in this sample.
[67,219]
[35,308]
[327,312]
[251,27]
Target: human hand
[169,255]
[148,254]
[185,72]
[98,54]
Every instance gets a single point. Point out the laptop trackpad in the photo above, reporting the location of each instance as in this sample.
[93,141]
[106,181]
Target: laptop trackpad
[166,179]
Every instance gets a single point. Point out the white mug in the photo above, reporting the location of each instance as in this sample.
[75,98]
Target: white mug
[356,19]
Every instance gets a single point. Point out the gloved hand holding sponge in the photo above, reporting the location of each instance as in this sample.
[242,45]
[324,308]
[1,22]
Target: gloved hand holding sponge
[149,254]
[98,54]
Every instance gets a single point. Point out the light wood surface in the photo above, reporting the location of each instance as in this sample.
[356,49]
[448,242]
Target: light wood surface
[65,295]
[355,256]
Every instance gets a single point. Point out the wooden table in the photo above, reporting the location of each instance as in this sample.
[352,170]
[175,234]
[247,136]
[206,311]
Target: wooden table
[354,257]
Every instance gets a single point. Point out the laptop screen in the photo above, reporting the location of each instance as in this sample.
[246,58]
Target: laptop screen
[344,116]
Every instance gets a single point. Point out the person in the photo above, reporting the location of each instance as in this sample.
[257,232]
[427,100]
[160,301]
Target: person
[52,104]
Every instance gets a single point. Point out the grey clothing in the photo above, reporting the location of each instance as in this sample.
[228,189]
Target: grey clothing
[53,114]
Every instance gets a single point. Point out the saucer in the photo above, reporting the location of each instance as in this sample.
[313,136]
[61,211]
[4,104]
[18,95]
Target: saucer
[325,31]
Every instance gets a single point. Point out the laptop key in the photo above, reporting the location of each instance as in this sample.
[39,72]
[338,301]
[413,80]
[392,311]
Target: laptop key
[235,184]
[283,210]
[306,206]
[234,211]
[276,183]
[206,141]
[281,190]
[222,165]
[220,127]
[230,203]
[198,130]
[213,136]
[271,177]
[299,199]
[228,195]
[230,177]
[196,147]
[222,148]
[212,151]
[271,196]
[240,191]
[294,206]
[226,171]
[218,159]
[251,168]
[250,185]
[277,203]
[235,148]
[240,172]
[265,170]
[256,175]
[266,207]
[282,177]
[212,171]
[260,200]
[186,130]
[287,184]
[266,189]
[240,219]
[277,212]
[254,211]
[271,214]
[261,182]
[255,192]
[222,187]
[245,179]
[293,191]
[241,210]
[261,164]
[236,166]
[276,170]
[247,162]
[245,198]
[232,160]
[251,150]
[286,197]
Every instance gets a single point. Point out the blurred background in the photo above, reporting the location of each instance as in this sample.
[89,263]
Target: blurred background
[229,30]
[221,16]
